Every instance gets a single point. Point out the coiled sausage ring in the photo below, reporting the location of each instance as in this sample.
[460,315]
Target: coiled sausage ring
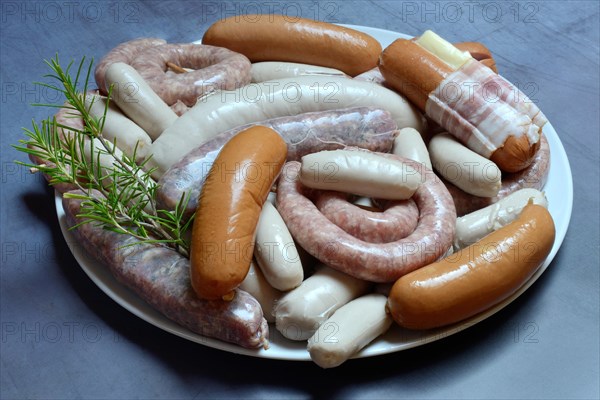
[376,262]
[210,68]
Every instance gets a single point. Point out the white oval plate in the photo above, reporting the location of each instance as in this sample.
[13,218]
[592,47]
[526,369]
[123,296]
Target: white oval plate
[558,189]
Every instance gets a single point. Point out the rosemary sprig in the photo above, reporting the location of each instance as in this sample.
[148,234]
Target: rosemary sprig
[126,202]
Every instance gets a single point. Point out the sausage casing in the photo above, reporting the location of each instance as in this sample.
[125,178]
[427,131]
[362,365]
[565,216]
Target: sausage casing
[377,262]
[476,277]
[160,276]
[271,37]
[229,208]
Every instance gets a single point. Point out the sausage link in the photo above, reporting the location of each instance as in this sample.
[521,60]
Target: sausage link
[398,219]
[377,262]
[366,127]
[463,167]
[349,329]
[275,251]
[272,37]
[476,277]
[363,174]
[160,276]
[474,226]
[534,177]
[300,312]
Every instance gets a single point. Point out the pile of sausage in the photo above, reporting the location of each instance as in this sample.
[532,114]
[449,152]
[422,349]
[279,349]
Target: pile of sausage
[369,160]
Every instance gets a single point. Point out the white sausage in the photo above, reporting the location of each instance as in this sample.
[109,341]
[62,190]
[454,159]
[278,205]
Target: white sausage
[227,109]
[472,227]
[269,70]
[300,312]
[98,155]
[409,144]
[349,329]
[118,127]
[276,252]
[137,100]
[463,167]
[361,173]
[266,295]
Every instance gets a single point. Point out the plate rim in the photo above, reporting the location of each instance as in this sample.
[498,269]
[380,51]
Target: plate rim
[138,307]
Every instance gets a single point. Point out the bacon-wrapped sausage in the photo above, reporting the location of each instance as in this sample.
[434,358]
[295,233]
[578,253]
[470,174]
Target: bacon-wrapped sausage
[480,108]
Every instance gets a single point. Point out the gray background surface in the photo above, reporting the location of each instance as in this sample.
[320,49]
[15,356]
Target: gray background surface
[63,338]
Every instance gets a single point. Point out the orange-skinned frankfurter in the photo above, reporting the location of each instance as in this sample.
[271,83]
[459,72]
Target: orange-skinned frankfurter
[480,108]
[476,277]
[229,206]
[269,37]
